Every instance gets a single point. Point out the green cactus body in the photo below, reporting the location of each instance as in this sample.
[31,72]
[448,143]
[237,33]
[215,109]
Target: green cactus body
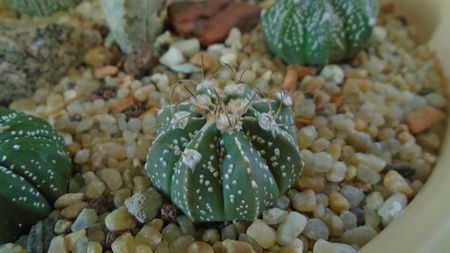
[35,8]
[225,156]
[34,171]
[318,31]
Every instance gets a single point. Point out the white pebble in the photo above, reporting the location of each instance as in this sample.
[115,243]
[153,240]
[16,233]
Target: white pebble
[322,246]
[392,207]
[172,57]
[290,228]
[274,216]
[262,233]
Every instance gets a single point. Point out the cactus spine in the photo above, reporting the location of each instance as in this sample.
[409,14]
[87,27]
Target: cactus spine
[225,155]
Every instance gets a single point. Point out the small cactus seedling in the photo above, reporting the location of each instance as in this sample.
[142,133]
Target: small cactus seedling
[225,155]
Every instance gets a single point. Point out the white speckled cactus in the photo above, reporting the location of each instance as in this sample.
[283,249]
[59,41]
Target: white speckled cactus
[318,31]
[225,155]
[41,7]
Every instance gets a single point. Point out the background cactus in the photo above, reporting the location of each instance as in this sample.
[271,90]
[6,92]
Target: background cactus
[133,23]
[318,31]
[225,156]
[34,171]
[41,7]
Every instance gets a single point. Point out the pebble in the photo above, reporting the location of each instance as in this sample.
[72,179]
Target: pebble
[94,247]
[211,236]
[315,229]
[186,225]
[187,47]
[322,162]
[349,220]
[262,233]
[359,235]
[333,73]
[144,206]
[374,200]
[423,119]
[375,163]
[62,227]
[316,183]
[69,199]
[71,239]
[306,136]
[290,228]
[274,216]
[199,247]
[95,189]
[72,211]
[102,204]
[232,246]
[112,178]
[304,201]
[337,172]
[367,175]
[105,71]
[291,78]
[85,219]
[352,194]
[229,58]
[338,202]
[181,243]
[149,236]
[57,245]
[172,57]
[394,182]
[171,232]
[392,208]
[296,246]
[82,156]
[124,244]
[283,202]
[322,246]
[228,232]
[120,219]
[372,218]
[120,197]
[202,59]
[81,245]
[97,57]
[143,249]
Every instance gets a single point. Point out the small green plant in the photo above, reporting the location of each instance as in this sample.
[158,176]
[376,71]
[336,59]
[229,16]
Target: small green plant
[35,8]
[133,23]
[225,155]
[34,171]
[318,31]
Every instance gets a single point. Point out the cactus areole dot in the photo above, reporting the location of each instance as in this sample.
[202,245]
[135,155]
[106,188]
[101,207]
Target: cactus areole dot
[225,154]
[34,171]
[318,32]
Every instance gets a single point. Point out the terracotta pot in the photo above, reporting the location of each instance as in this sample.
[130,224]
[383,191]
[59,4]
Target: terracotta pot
[424,227]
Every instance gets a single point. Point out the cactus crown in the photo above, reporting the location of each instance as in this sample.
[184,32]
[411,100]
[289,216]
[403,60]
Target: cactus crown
[225,155]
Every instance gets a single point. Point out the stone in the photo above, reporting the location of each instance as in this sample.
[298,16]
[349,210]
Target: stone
[41,234]
[69,199]
[352,194]
[120,219]
[72,211]
[333,73]
[140,61]
[290,228]
[144,206]
[338,202]
[394,182]
[315,229]
[124,244]
[71,239]
[172,57]
[94,247]
[38,54]
[112,178]
[171,232]
[211,21]
[211,236]
[322,162]
[62,226]
[97,57]
[304,201]
[102,204]
[81,245]
[283,202]
[202,59]
[296,246]
[374,200]
[349,220]
[181,243]
[188,47]
[148,236]
[95,189]
[423,118]
[337,172]
[85,219]
[392,208]
[262,233]
[232,246]
[274,216]
[143,249]
[169,212]
[359,235]
[322,246]
[102,72]
[186,224]
[315,183]
[57,245]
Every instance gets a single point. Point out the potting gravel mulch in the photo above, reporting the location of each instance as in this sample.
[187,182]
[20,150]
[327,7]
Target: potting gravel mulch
[370,131]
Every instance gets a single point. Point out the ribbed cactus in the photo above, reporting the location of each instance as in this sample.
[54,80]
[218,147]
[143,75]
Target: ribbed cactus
[34,8]
[34,171]
[318,31]
[225,155]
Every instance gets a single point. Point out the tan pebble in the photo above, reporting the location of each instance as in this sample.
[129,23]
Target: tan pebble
[156,224]
[312,85]
[423,119]
[199,247]
[95,189]
[142,93]
[295,246]
[124,244]
[94,247]
[394,182]
[120,219]
[149,236]
[262,233]
[317,183]
[105,71]
[120,196]
[350,173]
[143,249]
[73,210]
[112,178]
[202,59]
[123,104]
[57,245]
[71,239]
[290,79]
[69,199]
[97,57]
[232,246]
[140,184]
[338,202]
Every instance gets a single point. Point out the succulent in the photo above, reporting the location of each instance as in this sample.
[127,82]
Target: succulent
[318,31]
[35,8]
[225,155]
[133,23]
[34,171]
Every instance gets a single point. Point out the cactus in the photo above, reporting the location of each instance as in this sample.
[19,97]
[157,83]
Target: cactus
[318,31]
[225,156]
[34,171]
[133,22]
[35,8]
